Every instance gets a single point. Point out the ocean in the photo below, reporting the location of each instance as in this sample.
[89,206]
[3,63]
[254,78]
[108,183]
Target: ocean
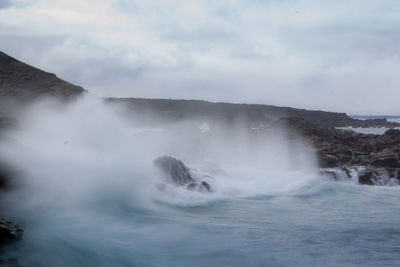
[313,223]
[89,196]
[372,130]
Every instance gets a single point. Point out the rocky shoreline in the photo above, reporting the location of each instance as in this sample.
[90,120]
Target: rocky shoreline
[374,159]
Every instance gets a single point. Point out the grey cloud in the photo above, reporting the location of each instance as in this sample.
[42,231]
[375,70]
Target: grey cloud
[344,60]
[343,42]
[5,3]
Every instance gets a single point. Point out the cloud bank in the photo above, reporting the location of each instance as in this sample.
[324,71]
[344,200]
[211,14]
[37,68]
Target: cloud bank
[338,55]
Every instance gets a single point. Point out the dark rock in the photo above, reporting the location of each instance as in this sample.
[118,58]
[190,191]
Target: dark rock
[10,232]
[175,169]
[8,177]
[365,177]
[206,186]
[25,83]
[180,174]
[379,154]
[336,148]
[9,263]
[202,186]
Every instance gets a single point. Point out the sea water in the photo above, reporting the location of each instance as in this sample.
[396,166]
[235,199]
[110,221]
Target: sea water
[88,195]
[315,222]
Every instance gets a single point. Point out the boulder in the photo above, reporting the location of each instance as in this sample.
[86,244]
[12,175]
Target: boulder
[10,232]
[9,263]
[175,169]
[179,174]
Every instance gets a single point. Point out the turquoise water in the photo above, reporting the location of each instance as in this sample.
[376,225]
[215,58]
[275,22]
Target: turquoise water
[315,223]
[89,196]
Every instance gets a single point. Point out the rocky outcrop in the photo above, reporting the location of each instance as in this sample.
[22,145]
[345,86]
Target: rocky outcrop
[336,147]
[179,174]
[10,232]
[378,154]
[25,83]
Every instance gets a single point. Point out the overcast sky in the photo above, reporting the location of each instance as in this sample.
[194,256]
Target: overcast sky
[341,55]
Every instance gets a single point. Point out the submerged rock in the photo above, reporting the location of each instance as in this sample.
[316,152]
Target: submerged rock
[9,263]
[180,174]
[10,232]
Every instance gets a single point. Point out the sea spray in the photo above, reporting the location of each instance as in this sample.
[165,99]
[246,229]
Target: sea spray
[88,189]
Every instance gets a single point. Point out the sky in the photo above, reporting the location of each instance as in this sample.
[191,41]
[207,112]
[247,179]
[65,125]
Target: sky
[337,55]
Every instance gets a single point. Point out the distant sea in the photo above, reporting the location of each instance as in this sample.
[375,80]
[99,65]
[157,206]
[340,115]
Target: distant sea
[374,130]
[393,118]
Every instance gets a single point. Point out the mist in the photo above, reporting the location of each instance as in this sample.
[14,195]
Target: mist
[86,155]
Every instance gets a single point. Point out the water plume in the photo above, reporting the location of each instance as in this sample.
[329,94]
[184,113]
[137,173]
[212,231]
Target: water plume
[86,154]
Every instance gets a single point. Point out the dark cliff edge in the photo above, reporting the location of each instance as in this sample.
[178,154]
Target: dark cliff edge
[25,83]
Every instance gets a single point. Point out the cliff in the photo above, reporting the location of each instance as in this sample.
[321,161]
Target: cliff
[22,82]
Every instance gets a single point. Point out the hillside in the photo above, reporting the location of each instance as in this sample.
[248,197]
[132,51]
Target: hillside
[252,115]
[25,83]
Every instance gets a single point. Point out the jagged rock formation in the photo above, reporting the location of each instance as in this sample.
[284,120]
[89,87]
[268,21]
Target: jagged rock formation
[179,174]
[379,154]
[9,232]
[24,83]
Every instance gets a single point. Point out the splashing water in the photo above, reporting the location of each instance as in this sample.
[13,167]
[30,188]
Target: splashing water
[88,196]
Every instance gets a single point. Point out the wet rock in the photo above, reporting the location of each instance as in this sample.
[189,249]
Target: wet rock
[8,177]
[345,148]
[180,175]
[206,186]
[10,232]
[202,186]
[175,169]
[365,177]
[9,263]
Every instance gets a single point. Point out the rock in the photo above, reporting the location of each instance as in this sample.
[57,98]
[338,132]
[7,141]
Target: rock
[176,170]
[336,148]
[8,177]
[341,150]
[206,186]
[180,174]
[25,83]
[202,186]
[365,177]
[9,263]
[10,232]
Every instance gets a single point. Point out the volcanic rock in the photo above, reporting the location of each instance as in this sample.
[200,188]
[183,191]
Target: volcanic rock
[180,174]
[26,83]
[10,232]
